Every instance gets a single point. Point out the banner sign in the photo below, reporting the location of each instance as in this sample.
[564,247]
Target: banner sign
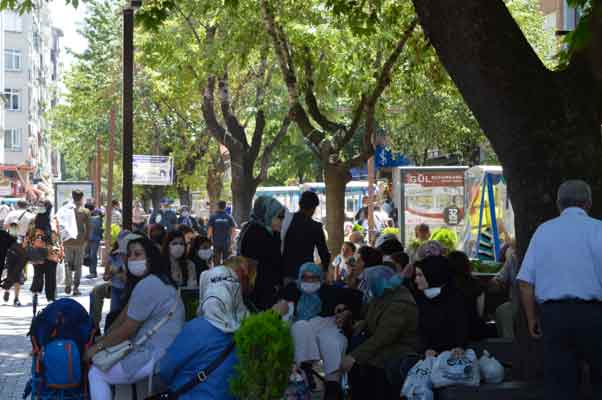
[62,192]
[152,170]
[384,157]
[435,198]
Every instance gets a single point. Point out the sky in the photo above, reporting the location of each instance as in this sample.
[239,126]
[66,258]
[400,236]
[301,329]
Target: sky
[68,19]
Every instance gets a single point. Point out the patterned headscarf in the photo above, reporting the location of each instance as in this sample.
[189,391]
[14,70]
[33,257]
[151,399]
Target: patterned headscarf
[221,301]
[381,278]
[264,210]
[309,304]
[432,248]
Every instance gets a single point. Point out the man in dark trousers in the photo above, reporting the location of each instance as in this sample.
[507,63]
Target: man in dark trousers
[561,288]
[221,228]
[303,236]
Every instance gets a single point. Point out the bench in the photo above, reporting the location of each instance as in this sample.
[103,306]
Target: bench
[502,391]
[126,392]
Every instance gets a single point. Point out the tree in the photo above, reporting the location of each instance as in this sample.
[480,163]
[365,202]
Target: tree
[309,38]
[247,110]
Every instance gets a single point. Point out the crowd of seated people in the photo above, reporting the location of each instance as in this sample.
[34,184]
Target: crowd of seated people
[364,321]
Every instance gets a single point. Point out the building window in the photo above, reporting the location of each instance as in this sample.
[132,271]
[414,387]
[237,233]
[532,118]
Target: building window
[12,60]
[12,98]
[13,22]
[12,139]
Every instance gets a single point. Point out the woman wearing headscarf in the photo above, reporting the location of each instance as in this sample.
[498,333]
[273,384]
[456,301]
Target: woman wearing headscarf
[260,241]
[321,313]
[389,333]
[443,318]
[207,338]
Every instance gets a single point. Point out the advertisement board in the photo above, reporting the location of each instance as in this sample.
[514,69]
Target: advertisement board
[62,191]
[433,196]
[152,170]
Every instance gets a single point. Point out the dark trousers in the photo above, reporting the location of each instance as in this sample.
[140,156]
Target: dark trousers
[220,254]
[571,334]
[370,383]
[44,277]
[92,255]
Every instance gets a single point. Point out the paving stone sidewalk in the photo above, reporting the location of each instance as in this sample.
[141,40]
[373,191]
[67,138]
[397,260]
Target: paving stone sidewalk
[15,347]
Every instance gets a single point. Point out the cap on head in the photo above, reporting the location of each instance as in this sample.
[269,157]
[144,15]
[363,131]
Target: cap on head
[123,239]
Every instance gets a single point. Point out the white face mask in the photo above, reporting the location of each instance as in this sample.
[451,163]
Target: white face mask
[310,287]
[137,267]
[205,254]
[176,250]
[433,292]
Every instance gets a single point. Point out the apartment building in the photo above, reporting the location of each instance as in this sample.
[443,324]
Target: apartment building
[559,16]
[31,60]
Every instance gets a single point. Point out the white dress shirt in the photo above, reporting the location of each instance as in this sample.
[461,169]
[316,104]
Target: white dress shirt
[564,259]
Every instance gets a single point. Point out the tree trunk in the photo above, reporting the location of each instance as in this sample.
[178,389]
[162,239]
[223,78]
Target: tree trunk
[243,188]
[336,178]
[185,196]
[215,186]
[156,195]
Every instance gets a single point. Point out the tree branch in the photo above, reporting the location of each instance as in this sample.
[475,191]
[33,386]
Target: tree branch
[208,108]
[192,26]
[257,134]
[269,149]
[312,102]
[234,127]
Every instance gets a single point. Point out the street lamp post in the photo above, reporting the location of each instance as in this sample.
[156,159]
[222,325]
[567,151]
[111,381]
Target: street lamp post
[128,113]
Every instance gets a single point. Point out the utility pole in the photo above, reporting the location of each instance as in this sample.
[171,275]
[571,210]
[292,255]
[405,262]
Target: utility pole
[128,114]
[371,176]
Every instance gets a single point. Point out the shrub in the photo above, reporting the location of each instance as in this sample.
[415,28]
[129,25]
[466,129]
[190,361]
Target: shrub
[265,351]
[447,237]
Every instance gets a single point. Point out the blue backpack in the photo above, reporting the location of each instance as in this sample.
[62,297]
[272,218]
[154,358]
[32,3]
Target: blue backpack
[60,335]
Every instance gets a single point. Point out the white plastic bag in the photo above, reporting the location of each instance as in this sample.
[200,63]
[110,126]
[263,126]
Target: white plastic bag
[67,222]
[451,369]
[492,371]
[417,385]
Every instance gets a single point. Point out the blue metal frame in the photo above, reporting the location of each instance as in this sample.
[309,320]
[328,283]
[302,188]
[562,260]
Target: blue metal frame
[494,227]
[478,242]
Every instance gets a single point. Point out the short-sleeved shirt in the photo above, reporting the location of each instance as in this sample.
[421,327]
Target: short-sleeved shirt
[22,218]
[150,302]
[564,258]
[222,225]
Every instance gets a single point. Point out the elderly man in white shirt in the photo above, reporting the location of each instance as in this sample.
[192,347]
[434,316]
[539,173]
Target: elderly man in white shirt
[561,290]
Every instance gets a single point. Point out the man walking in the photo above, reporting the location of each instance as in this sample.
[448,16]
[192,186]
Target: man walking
[75,248]
[561,289]
[302,238]
[221,226]
[94,239]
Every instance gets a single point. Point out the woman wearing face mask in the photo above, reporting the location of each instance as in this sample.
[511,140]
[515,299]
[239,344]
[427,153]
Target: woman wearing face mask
[387,334]
[260,241]
[207,337]
[322,312]
[201,254]
[182,269]
[154,299]
[444,321]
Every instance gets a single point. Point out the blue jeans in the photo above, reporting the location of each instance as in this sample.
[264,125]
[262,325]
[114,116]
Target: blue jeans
[116,300]
[92,255]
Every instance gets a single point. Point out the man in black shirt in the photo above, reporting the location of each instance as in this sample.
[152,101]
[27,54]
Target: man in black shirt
[303,236]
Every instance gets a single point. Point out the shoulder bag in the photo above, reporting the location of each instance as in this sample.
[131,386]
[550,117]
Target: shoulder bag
[200,377]
[105,359]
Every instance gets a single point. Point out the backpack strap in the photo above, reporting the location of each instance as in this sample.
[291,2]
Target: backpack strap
[158,325]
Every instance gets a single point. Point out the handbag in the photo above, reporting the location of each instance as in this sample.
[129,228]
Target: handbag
[105,359]
[200,377]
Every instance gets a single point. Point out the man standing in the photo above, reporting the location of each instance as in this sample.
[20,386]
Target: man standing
[164,216]
[302,238]
[221,227]
[561,289]
[116,217]
[94,239]
[75,248]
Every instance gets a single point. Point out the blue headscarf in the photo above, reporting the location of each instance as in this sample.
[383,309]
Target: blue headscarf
[309,305]
[264,210]
[380,278]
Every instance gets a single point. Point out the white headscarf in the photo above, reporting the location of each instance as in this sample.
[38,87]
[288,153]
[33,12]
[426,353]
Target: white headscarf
[221,301]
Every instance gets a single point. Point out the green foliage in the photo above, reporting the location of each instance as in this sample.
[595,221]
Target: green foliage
[447,237]
[391,231]
[264,347]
